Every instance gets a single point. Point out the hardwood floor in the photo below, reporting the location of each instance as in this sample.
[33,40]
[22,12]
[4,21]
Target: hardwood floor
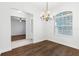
[18,37]
[44,48]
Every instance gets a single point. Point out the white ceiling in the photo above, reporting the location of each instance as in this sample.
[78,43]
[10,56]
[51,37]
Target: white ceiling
[36,7]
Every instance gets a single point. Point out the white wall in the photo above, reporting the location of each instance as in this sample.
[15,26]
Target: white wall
[5,22]
[5,30]
[71,41]
[41,30]
[29,29]
[17,27]
[33,8]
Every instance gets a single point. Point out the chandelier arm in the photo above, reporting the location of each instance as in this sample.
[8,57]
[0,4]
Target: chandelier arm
[47,6]
[46,15]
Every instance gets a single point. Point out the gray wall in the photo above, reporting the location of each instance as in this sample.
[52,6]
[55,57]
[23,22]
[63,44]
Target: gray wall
[17,27]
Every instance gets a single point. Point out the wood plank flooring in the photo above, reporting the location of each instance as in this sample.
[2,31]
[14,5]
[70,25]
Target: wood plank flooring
[44,48]
[18,37]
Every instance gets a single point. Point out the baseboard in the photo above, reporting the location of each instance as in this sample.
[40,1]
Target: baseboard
[69,45]
[5,51]
[39,40]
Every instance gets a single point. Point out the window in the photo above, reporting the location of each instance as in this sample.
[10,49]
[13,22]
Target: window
[63,23]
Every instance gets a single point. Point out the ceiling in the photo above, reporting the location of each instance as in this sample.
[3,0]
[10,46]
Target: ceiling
[36,7]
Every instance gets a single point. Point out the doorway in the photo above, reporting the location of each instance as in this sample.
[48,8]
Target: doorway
[21,28]
[18,28]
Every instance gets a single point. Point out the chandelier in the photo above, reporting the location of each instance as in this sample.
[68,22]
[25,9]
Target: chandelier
[46,15]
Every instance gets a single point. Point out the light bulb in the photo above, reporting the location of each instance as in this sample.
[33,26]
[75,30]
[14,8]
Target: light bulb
[20,21]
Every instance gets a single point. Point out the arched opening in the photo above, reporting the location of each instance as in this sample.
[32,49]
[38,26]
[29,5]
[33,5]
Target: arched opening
[21,28]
